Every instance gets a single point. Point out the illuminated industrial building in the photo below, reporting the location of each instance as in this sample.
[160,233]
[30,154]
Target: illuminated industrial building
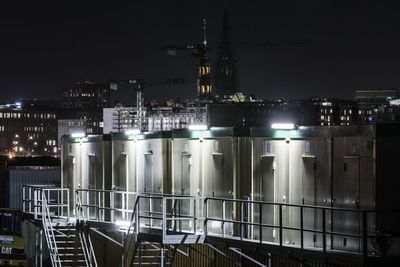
[313,189]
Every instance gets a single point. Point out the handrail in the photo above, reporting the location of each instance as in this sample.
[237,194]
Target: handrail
[49,231]
[101,197]
[243,224]
[133,223]
[104,191]
[31,203]
[87,248]
[361,234]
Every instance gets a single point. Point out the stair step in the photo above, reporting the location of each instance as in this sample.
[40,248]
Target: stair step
[68,241]
[73,261]
[69,249]
[61,238]
[70,254]
[151,263]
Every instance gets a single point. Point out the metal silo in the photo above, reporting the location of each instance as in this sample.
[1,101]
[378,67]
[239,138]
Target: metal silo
[85,163]
[353,182]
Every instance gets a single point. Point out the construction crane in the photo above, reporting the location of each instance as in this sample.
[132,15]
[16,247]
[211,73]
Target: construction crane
[139,85]
[199,51]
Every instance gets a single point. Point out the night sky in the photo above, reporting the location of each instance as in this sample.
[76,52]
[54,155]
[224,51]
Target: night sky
[43,45]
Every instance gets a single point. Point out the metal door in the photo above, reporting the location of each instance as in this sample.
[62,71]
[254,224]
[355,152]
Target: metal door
[151,206]
[308,198]
[347,222]
[119,200]
[91,184]
[186,162]
[148,173]
[351,200]
[184,207]
[92,172]
[216,207]
[68,180]
[267,194]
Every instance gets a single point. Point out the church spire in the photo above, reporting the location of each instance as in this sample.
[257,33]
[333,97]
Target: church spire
[225,71]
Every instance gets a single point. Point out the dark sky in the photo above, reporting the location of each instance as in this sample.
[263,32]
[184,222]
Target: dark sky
[43,45]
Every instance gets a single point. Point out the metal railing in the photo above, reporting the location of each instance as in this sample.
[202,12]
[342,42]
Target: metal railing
[306,227]
[40,201]
[49,232]
[57,200]
[316,228]
[282,221]
[84,235]
[106,205]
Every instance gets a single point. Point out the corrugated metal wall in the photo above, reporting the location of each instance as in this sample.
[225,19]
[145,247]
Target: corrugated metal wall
[15,179]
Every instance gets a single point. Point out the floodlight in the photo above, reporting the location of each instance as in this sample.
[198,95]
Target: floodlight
[78,135]
[283,126]
[132,131]
[198,127]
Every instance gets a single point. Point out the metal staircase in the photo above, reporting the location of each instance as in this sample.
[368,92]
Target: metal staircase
[69,245]
[68,241]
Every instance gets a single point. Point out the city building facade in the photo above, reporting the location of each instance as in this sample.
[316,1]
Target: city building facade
[85,101]
[374,104]
[28,128]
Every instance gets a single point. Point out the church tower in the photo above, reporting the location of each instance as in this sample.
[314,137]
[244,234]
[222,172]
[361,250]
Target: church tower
[225,69]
